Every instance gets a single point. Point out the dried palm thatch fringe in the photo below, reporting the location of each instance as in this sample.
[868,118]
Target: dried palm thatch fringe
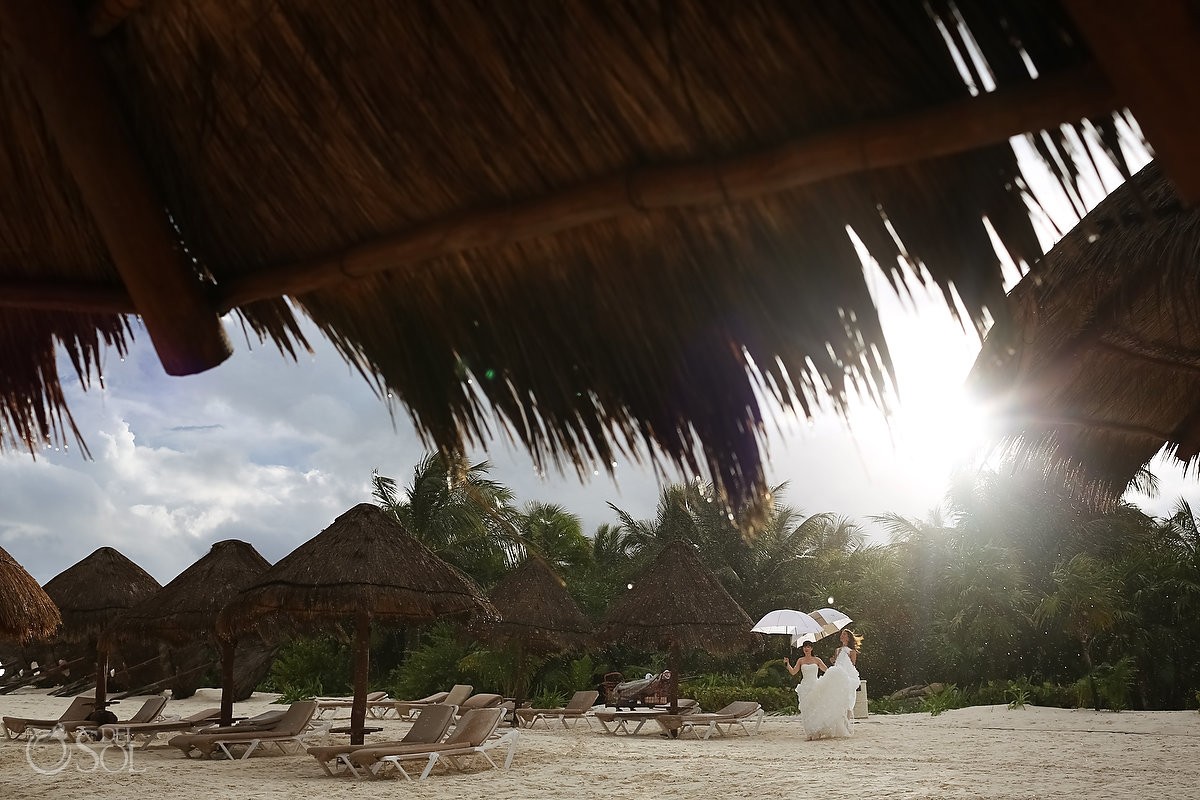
[285,133]
[94,591]
[1096,369]
[26,611]
[363,562]
[534,608]
[186,609]
[678,602]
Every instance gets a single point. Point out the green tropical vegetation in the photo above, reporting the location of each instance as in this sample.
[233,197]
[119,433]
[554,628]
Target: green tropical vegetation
[1008,595]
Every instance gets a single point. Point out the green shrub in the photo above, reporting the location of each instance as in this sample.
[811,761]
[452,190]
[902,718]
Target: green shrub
[430,668]
[548,698]
[949,697]
[309,667]
[1114,682]
[1053,695]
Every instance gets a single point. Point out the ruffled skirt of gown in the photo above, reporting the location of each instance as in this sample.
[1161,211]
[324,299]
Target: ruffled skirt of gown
[825,710]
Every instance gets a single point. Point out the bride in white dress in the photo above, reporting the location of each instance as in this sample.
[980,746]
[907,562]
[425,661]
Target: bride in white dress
[827,709]
[808,666]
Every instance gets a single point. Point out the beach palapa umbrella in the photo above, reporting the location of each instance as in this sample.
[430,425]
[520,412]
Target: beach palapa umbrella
[534,614]
[187,607]
[364,566]
[26,611]
[91,594]
[678,603]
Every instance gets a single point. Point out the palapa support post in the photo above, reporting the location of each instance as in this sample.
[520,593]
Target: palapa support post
[227,679]
[69,80]
[101,704]
[362,666]
[673,683]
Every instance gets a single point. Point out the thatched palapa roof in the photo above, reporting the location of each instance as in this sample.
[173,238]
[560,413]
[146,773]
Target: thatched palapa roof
[533,607]
[26,611]
[678,601]
[1097,369]
[95,590]
[363,562]
[186,609]
[587,217]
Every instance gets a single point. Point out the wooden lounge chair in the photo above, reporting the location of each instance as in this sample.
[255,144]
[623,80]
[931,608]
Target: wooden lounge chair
[575,709]
[290,730]
[737,714]
[407,709]
[150,709]
[334,704]
[431,725]
[148,732]
[475,734]
[80,708]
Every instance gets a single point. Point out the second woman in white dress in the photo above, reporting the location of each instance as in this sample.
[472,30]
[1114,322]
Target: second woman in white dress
[827,710]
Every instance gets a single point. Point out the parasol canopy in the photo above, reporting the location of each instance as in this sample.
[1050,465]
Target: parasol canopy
[26,611]
[186,609]
[789,622]
[491,211]
[677,603]
[1092,370]
[828,621]
[363,567]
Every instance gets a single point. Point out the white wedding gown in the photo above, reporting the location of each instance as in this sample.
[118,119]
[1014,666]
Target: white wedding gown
[825,710]
[808,679]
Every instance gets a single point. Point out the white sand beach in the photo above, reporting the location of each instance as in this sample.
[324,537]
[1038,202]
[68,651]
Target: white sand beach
[981,752]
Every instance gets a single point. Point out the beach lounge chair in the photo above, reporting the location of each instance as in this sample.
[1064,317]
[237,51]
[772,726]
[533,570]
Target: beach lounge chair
[290,730]
[478,701]
[149,711]
[407,709]
[15,727]
[335,703]
[475,734]
[575,709]
[431,725]
[148,732]
[739,714]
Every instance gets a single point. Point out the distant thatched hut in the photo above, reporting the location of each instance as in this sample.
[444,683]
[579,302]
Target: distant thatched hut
[91,594]
[534,614]
[186,609]
[26,611]
[1095,368]
[676,604]
[364,567]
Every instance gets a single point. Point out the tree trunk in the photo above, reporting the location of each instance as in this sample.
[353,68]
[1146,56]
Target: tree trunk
[362,667]
[1087,662]
[227,681]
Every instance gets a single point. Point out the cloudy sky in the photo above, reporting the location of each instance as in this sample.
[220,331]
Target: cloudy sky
[271,451]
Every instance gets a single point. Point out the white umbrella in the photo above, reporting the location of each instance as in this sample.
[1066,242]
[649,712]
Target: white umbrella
[828,621]
[788,622]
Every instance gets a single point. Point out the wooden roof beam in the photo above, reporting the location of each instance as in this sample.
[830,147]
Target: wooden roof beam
[82,298]
[1151,53]
[945,130]
[69,80]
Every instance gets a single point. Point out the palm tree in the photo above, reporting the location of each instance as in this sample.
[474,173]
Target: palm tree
[458,512]
[1087,602]
[556,535]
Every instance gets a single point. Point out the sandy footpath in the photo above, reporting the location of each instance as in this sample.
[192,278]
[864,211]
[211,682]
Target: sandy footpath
[982,752]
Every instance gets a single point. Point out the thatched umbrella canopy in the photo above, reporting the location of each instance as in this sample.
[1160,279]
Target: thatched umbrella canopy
[26,611]
[92,594]
[186,608]
[364,566]
[535,614]
[678,603]
[598,215]
[1096,370]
